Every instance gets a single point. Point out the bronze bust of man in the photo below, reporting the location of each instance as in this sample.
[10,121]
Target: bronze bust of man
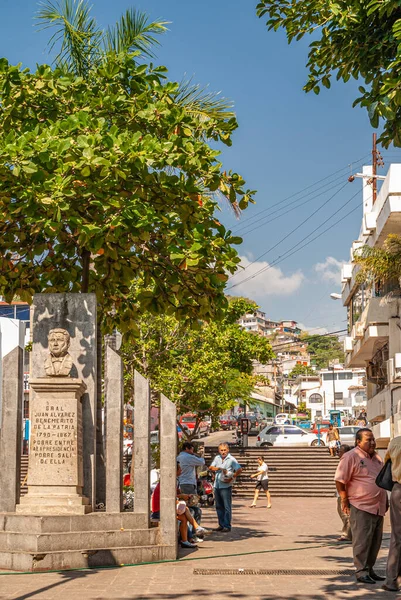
[59,362]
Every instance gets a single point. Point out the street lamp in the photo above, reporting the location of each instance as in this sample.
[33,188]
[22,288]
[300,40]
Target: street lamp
[335,296]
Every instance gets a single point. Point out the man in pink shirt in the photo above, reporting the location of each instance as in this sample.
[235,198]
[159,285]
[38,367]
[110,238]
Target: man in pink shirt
[364,501]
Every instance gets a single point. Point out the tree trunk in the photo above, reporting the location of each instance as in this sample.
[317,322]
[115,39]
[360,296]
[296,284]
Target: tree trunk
[86,256]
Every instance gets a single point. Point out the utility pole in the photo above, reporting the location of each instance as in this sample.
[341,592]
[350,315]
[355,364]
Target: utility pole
[374,169]
[377,161]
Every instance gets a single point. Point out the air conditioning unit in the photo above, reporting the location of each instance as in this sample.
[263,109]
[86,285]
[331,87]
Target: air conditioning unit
[397,366]
[346,272]
[359,330]
[390,370]
[348,344]
[355,247]
[370,221]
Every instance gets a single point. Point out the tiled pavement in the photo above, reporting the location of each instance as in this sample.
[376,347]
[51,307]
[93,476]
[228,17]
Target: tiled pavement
[297,533]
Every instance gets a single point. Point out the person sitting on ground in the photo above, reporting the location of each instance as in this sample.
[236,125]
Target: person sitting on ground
[195,531]
[332,437]
[262,482]
[183,515]
[346,534]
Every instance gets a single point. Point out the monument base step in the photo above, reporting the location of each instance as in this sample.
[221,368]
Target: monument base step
[99,521]
[53,509]
[80,559]
[77,540]
[37,504]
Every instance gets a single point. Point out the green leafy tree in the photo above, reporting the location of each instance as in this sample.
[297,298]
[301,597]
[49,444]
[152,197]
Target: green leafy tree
[301,370]
[205,370]
[301,409]
[108,179]
[323,349]
[353,39]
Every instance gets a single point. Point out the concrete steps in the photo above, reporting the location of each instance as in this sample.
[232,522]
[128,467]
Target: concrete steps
[297,472]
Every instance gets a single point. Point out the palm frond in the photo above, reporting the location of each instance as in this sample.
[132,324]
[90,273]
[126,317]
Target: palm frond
[76,33]
[133,31]
[199,101]
[379,264]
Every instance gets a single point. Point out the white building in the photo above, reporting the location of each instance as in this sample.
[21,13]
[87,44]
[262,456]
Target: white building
[258,323]
[333,389]
[374,315]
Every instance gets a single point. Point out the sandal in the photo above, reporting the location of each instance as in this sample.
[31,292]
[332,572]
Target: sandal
[252,505]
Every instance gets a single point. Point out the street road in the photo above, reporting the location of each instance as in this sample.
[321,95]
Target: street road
[215,438]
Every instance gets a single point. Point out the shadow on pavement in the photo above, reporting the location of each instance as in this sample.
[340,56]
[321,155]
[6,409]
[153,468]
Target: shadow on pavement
[66,576]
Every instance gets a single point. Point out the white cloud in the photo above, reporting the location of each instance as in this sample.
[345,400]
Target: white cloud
[271,282]
[330,270]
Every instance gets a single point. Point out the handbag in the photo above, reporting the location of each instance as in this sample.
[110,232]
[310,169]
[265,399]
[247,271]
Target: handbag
[384,479]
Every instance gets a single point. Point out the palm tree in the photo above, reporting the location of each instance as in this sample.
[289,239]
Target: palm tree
[83,46]
[380,265]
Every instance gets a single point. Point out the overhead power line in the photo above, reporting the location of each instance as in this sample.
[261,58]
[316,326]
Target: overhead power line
[267,218]
[296,228]
[289,253]
[306,339]
[256,215]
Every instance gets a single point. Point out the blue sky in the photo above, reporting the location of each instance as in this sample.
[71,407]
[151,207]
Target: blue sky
[286,141]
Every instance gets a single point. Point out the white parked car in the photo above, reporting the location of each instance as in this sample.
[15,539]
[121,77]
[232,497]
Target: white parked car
[287,435]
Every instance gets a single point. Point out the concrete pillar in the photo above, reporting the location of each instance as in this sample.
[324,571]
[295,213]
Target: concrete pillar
[168,472]
[11,415]
[141,454]
[114,431]
[77,314]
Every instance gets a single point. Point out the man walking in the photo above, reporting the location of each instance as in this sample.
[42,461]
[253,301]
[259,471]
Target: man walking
[227,470]
[189,461]
[364,501]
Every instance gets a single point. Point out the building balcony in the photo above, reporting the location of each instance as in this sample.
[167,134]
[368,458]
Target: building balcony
[382,433]
[368,334]
[378,407]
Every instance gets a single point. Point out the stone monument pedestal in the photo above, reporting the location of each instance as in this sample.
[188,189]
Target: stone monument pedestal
[55,473]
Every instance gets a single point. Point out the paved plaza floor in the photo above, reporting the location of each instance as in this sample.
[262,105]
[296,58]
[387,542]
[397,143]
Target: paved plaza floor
[276,553]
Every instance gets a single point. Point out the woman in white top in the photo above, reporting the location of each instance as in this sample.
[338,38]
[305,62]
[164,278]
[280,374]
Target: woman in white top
[262,482]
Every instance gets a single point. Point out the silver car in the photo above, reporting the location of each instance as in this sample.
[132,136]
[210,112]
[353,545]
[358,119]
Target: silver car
[347,434]
[287,435]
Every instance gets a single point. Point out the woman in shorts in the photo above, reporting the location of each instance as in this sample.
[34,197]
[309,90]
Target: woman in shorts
[262,482]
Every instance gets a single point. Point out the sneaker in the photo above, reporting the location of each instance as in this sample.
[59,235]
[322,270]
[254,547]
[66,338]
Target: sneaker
[202,531]
[226,529]
[197,540]
[188,545]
